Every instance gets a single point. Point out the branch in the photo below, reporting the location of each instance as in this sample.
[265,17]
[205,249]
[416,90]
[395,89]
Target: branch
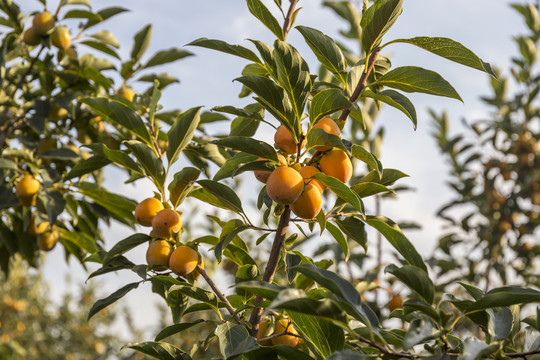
[271,266]
[288,19]
[361,83]
[273,336]
[219,294]
[385,350]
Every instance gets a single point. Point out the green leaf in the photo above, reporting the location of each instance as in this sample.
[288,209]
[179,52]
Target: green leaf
[115,296]
[141,41]
[362,154]
[53,202]
[327,102]
[118,206]
[354,229]
[338,236]
[420,330]
[500,323]
[7,164]
[223,193]
[474,349]
[506,296]
[293,76]
[82,14]
[250,146]
[341,190]
[377,20]
[124,246]
[233,163]
[226,237]
[322,334]
[149,161]
[327,51]
[318,137]
[394,99]
[261,12]
[391,231]
[182,184]
[449,49]
[120,114]
[234,340]
[78,238]
[416,279]
[175,329]
[348,354]
[104,48]
[106,37]
[196,293]
[166,56]
[417,79]
[222,46]
[366,189]
[417,305]
[389,177]
[105,14]
[272,98]
[181,133]
[159,350]
[118,157]
[263,289]
[87,166]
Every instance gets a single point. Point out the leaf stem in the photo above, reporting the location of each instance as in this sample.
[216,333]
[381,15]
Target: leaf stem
[288,19]
[271,266]
[361,83]
[219,294]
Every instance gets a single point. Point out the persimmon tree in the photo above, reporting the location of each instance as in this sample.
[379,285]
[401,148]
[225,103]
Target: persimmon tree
[285,304]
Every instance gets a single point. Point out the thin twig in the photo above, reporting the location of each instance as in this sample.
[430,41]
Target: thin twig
[271,266]
[288,19]
[361,83]
[219,294]
[273,336]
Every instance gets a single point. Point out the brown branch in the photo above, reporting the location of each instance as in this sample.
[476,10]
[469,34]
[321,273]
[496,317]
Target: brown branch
[288,19]
[219,294]
[522,354]
[361,83]
[385,350]
[271,266]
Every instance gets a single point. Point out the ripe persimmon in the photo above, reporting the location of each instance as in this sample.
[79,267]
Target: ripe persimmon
[165,222]
[307,173]
[285,142]
[309,204]
[126,92]
[47,241]
[43,22]
[396,302]
[34,229]
[183,260]
[31,37]
[263,175]
[336,163]
[26,190]
[146,210]
[285,325]
[330,127]
[261,333]
[61,38]
[158,253]
[284,185]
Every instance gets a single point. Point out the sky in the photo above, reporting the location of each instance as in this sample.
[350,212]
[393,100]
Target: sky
[485,26]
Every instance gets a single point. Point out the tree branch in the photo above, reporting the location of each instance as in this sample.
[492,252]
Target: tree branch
[271,266]
[219,294]
[288,19]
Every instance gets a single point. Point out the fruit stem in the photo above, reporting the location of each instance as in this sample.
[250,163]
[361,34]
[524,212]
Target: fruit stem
[288,19]
[219,294]
[361,83]
[271,266]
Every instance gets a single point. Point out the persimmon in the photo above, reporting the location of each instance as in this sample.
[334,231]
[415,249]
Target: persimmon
[285,325]
[47,241]
[183,260]
[34,229]
[126,92]
[261,333]
[263,175]
[158,253]
[307,173]
[309,204]
[165,222]
[285,142]
[330,127]
[146,210]
[43,22]
[284,185]
[31,37]
[61,38]
[26,190]
[396,302]
[336,163]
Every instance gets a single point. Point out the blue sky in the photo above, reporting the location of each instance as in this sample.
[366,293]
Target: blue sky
[485,26]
